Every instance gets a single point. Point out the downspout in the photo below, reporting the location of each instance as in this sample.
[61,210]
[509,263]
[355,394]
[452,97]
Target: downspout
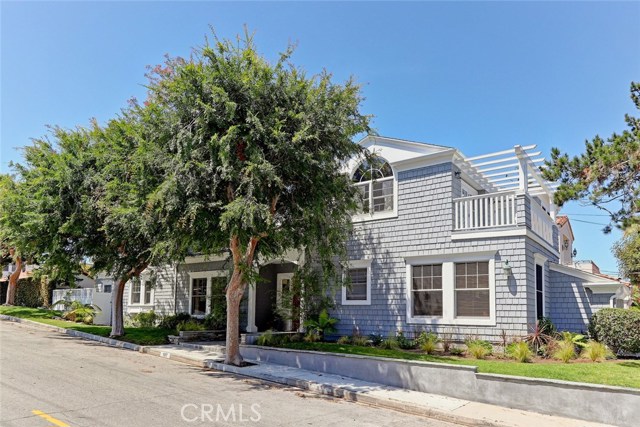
[175,288]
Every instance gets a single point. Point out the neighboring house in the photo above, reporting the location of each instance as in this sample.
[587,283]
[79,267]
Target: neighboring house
[443,242]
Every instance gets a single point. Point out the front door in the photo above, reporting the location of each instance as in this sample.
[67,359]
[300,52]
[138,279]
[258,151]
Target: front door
[287,302]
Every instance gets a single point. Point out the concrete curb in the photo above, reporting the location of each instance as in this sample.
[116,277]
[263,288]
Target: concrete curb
[78,334]
[352,395]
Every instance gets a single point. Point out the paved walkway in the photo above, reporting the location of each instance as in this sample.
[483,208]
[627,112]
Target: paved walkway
[444,408]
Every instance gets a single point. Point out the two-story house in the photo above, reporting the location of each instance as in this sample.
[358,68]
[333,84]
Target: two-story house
[443,242]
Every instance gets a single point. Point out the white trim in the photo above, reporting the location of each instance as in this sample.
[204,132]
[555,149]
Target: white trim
[540,260]
[448,289]
[362,263]
[432,159]
[603,288]
[371,216]
[205,258]
[571,271]
[203,275]
[279,277]
[510,232]
[140,306]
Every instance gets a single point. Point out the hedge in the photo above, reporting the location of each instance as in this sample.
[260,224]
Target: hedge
[617,328]
[29,293]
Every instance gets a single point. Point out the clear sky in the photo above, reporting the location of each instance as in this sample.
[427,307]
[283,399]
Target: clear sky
[479,76]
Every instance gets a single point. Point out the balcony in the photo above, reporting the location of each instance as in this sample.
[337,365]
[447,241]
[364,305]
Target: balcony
[517,200]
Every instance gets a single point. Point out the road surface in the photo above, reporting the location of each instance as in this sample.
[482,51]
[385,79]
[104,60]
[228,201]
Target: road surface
[51,379]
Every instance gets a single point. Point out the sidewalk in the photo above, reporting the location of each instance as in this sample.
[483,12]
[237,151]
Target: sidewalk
[462,412]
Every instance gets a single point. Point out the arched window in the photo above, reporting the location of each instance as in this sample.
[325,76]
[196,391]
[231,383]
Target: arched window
[374,179]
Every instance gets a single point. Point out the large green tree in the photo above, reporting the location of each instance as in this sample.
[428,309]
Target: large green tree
[607,173]
[90,192]
[258,151]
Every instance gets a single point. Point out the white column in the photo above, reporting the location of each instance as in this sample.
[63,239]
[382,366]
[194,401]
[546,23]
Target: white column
[251,310]
[523,170]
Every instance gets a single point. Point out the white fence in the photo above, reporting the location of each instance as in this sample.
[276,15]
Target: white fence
[84,295]
[485,211]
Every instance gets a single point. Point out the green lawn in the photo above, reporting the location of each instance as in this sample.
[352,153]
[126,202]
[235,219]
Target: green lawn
[625,373]
[141,336]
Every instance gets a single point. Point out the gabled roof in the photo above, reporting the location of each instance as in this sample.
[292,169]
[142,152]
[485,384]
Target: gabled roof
[561,220]
[396,150]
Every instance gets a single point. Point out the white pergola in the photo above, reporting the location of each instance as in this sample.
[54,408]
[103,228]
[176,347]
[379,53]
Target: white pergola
[516,169]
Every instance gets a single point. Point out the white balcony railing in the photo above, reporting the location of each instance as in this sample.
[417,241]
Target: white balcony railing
[541,222]
[485,211]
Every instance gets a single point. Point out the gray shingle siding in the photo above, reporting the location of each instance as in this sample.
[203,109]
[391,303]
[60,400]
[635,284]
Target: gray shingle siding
[573,305]
[424,226]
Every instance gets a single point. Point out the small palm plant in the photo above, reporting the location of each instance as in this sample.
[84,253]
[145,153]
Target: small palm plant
[323,325]
[538,337]
[76,311]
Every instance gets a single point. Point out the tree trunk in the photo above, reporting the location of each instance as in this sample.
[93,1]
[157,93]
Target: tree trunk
[13,283]
[117,317]
[235,290]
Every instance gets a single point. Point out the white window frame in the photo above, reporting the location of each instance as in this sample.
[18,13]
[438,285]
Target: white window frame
[143,279]
[370,216]
[448,289]
[361,263]
[540,260]
[203,275]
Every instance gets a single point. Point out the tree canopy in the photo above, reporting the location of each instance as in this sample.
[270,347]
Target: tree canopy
[257,159]
[607,173]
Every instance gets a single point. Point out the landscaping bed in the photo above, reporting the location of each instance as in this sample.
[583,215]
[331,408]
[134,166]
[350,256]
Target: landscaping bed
[624,373]
[140,336]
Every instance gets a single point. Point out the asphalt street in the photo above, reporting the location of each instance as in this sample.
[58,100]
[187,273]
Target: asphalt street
[50,379]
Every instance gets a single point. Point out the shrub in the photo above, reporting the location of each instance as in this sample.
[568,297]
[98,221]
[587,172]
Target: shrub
[446,338]
[617,328]
[172,321]
[266,338]
[478,349]
[595,351]
[539,336]
[344,340]
[404,342]
[295,338]
[578,340]
[389,343]
[312,336]
[29,293]
[145,319]
[323,325]
[360,341]
[565,352]
[547,327]
[216,320]
[456,351]
[376,339]
[189,325]
[427,342]
[520,351]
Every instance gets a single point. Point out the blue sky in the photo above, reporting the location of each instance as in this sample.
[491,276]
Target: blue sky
[479,76]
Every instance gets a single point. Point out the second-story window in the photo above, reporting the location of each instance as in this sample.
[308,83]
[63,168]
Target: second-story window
[374,180]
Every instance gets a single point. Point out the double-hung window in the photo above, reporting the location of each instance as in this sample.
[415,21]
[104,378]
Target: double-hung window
[452,289]
[141,292]
[427,290]
[472,289]
[357,290]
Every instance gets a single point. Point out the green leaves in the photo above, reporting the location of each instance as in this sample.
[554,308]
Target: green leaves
[607,173]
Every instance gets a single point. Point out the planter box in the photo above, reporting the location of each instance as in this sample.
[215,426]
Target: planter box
[618,406]
[217,335]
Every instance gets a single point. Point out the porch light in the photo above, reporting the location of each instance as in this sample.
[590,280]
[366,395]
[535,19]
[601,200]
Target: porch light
[506,268]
